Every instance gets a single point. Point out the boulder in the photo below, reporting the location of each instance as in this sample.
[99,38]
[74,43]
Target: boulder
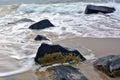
[60,72]
[66,73]
[92,9]
[50,54]
[41,25]
[110,65]
[40,37]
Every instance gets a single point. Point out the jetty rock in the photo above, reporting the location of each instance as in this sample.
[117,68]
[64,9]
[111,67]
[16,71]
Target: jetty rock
[110,65]
[51,54]
[61,72]
[41,25]
[93,9]
[40,37]
[67,73]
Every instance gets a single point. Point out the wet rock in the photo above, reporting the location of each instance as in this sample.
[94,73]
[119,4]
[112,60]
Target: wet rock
[92,9]
[21,21]
[50,54]
[40,37]
[41,25]
[110,65]
[60,72]
[66,73]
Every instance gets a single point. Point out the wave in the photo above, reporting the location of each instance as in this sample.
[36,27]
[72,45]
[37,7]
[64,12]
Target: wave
[51,8]
[2,2]
[68,18]
[27,66]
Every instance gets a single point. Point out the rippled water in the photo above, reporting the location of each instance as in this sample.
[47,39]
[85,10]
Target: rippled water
[17,41]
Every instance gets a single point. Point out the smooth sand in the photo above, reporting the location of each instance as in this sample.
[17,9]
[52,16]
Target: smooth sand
[100,46]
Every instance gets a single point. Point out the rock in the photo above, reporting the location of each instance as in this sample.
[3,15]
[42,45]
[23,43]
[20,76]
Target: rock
[110,65]
[42,25]
[21,21]
[40,37]
[50,54]
[92,9]
[60,72]
[66,73]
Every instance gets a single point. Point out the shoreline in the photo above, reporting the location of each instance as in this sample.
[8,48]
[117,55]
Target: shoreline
[100,46]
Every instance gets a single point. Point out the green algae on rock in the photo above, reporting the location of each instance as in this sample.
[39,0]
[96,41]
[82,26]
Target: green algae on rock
[52,54]
[53,58]
[110,65]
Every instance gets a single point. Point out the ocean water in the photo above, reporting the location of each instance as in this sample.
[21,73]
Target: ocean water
[17,41]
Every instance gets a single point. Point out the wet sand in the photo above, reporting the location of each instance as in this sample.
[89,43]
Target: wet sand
[100,46]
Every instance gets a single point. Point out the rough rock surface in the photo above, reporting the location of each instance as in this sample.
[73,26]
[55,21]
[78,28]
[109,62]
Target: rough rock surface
[41,25]
[109,65]
[92,9]
[67,73]
[61,72]
[46,49]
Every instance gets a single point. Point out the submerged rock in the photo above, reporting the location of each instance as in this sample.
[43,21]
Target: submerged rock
[42,24]
[110,65]
[92,9]
[21,21]
[40,37]
[67,73]
[61,72]
[50,54]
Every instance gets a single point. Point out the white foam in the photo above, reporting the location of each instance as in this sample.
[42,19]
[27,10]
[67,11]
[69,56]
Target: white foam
[19,57]
[27,66]
[49,8]
[42,69]
[68,16]
[90,56]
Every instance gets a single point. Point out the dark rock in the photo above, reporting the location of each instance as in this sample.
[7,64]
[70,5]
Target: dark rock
[21,21]
[46,49]
[66,73]
[92,9]
[40,37]
[42,25]
[109,65]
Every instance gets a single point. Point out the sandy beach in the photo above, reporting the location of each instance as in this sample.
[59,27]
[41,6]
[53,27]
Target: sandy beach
[100,46]
[94,36]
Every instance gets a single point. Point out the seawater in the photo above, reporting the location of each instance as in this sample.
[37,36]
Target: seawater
[18,48]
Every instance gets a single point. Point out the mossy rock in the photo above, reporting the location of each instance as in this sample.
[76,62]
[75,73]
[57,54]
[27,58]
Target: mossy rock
[51,54]
[104,69]
[110,65]
[57,57]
